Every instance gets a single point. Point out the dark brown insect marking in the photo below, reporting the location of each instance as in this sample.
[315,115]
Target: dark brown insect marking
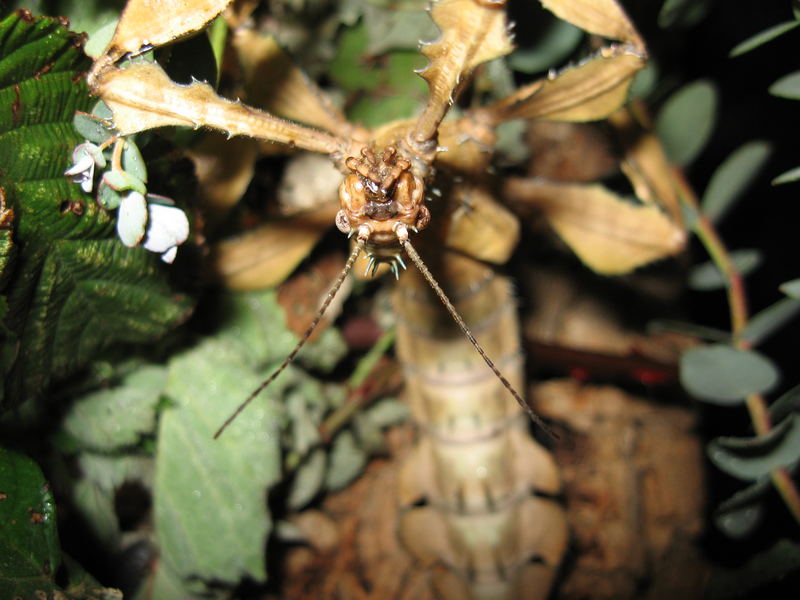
[381,193]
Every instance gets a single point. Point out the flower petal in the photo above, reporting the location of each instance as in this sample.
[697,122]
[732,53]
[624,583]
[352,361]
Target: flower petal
[168,227]
[132,219]
[169,255]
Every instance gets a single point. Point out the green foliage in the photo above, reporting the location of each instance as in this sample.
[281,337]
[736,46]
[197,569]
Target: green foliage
[28,536]
[707,276]
[787,86]
[686,121]
[724,375]
[762,38]
[70,288]
[384,86]
[732,178]
[29,551]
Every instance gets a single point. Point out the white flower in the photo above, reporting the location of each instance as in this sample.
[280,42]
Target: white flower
[158,227]
[132,219]
[167,229]
[84,157]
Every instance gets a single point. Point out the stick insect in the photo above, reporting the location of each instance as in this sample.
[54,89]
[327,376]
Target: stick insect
[388,175]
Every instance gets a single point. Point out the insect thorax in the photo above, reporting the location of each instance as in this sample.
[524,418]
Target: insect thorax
[379,194]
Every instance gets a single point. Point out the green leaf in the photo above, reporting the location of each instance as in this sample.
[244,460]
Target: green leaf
[720,374]
[132,161]
[388,412]
[762,38]
[791,288]
[393,29]
[732,178]
[94,494]
[706,276]
[786,404]
[92,128]
[210,511]
[769,320]
[74,290]
[749,459]
[119,416]
[686,121]
[746,496]
[308,480]
[789,176]
[386,89]
[740,522]
[787,86]
[347,461]
[29,550]
[198,477]
[682,13]
[553,47]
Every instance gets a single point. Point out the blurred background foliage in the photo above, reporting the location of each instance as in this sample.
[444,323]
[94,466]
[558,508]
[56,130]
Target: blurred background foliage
[117,369]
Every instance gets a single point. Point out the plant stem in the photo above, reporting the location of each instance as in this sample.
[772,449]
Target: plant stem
[757,407]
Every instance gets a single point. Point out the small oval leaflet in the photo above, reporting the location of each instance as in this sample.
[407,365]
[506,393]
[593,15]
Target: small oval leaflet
[720,374]
[686,121]
[706,276]
[750,466]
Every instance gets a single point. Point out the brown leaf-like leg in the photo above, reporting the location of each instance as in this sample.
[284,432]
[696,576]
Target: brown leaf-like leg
[142,97]
[591,90]
[472,32]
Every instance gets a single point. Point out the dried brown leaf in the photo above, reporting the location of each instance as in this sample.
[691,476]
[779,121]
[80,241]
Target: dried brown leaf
[303,293]
[265,256]
[142,97]
[646,165]
[600,17]
[274,82]
[587,92]
[472,32]
[224,169]
[154,23]
[482,228]
[609,234]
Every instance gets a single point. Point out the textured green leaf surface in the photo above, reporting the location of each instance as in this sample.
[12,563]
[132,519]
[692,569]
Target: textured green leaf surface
[29,550]
[721,374]
[210,505]
[118,416]
[210,496]
[71,289]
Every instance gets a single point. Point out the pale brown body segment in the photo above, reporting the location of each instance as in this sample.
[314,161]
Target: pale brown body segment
[489,512]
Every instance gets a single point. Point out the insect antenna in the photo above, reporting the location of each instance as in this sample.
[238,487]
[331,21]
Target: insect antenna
[359,247]
[417,260]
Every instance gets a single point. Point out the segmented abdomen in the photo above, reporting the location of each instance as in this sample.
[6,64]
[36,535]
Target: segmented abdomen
[477,492]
